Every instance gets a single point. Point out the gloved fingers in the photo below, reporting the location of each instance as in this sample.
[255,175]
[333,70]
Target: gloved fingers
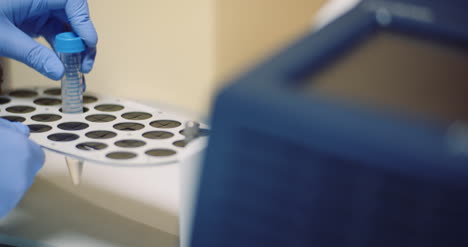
[36,158]
[89,55]
[15,126]
[56,25]
[78,16]
[33,26]
[19,181]
[61,15]
[83,84]
[21,161]
[10,198]
[6,124]
[21,128]
[23,48]
[51,28]
[77,13]
[88,59]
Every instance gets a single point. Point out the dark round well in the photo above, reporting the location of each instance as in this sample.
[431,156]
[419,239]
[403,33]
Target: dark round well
[39,128]
[180,143]
[46,117]
[128,126]
[90,146]
[63,137]
[165,124]
[101,134]
[89,99]
[100,118]
[130,143]
[85,109]
[47,101]
[158,135]
[160,152]
[4,100]
[136,115]
[14,118]
[73,126]
[20,109]
[121,155]
[109,107]
[53,91]
[23,93]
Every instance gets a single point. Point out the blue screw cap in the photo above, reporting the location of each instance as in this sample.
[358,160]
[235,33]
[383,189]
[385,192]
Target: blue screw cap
[69,43]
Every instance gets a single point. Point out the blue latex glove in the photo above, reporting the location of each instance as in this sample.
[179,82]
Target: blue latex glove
[20,160]
[22,20]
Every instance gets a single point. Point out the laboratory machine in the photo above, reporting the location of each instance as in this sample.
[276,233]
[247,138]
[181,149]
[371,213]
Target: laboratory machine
[354,135]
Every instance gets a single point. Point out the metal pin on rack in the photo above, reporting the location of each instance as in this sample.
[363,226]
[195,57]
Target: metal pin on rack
[191,131]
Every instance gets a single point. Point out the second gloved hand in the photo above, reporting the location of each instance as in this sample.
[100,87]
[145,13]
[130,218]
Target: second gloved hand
[20,161]
[22,20]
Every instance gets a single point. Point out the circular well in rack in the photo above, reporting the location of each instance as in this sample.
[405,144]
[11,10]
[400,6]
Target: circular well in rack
[137,115]
[90,146]
[100,118]
[4,100]
[127,126]
[158,135]
[20,109]
[39,128]
[73,126]
[53,91]
[108,107]
[121,155]
[46,117]
[130,143]
[23,93]
[165,124]
[180,143]
[47,101]
[85,109]
[160,152]
[87,99]
[63,137]
[101,134]
[14,118]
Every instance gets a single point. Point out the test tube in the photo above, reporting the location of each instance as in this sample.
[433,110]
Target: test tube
[69,47]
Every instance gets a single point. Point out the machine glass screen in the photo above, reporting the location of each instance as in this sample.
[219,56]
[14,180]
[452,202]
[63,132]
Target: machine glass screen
[399,73]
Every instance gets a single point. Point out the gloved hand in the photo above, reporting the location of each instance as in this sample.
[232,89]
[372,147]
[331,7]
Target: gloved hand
[20,160]
[22,20]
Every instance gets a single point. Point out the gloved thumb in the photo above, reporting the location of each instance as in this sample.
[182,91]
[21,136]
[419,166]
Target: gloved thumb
[15,126]
[19,46]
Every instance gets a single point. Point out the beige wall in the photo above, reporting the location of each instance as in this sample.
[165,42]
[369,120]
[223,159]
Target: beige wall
[155,50]
[247,31]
